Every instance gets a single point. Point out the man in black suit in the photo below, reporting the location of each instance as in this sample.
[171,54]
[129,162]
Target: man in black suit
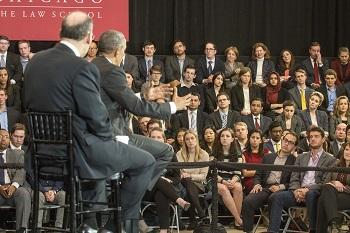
[315,66]
[58,79]
[14,190]
[188,85]
[17,136]
[8,116]
[274,143]
[10,60]
[119,100]
[145,63]
[193,118]
[175,64]
[266,183]
[224,117]
[208,65]
[340,136]
[330,91]
[256,120]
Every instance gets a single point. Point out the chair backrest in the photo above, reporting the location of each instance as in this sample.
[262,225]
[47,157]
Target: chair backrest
[51,140]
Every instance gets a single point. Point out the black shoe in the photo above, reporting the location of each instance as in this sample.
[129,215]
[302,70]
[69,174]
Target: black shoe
[84,228]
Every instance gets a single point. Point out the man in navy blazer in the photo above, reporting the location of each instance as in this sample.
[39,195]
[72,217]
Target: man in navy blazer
[184,119]
[275,133]
[148,60]
[256,120]
[208,65]
[315,59]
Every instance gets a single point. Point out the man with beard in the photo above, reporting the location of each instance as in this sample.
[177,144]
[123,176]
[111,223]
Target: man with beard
[175,64]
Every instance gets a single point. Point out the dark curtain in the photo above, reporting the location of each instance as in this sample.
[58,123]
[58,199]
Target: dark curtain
[279,24]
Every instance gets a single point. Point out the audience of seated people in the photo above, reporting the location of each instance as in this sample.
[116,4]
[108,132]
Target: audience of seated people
[300,96]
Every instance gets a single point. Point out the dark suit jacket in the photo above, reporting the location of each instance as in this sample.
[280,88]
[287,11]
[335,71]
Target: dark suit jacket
[322,119]
[181,121]
[297,124]
[237,96]
[268,67]
[261,176]
[13,117]
[334,148]
[308,66]
[295,94]
[339,91]
[143,69]
[202,70]
[198,88]
[211,98]
[333,122]
[16,175]
[119,99]
[14,66]
[269,145]
[326,160]
[131,66]
[214,119]
[265,123]
[74,83]
[172,67]
[342,77]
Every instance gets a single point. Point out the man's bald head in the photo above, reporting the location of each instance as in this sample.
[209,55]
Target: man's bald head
[76,26]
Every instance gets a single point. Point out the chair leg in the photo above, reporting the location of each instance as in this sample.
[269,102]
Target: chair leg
[36,196]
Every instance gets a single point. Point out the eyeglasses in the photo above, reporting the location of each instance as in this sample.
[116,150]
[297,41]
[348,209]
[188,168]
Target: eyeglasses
[285,140]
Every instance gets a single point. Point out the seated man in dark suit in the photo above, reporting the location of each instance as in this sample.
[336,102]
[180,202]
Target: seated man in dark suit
[315,66]
[274,143]
[188,85]
[8,116]
[267,183]
[14,190]
[146,62]
[209,64]
[340,136]
[193,118]
[224,117]
[256,120]
[330,91]
[11,61]
[304,187]
[341,65]
[289,119]
[175,64]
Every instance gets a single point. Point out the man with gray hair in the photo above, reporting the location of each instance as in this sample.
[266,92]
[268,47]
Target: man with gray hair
[58,79]
[119,99]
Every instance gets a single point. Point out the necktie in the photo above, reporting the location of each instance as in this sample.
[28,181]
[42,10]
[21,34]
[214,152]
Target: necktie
[257,125]
[210,67]
[149,65]
[224,120]
[303,99]
[316,73]
[277,147]
[2,61]
[2,171]
[193,121]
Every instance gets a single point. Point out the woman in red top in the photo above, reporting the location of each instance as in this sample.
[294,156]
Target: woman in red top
[253,154]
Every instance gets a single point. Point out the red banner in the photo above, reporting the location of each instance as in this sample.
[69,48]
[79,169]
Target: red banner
[41,19]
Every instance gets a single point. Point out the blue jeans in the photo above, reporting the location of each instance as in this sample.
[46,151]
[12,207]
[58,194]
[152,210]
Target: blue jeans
[286,199]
